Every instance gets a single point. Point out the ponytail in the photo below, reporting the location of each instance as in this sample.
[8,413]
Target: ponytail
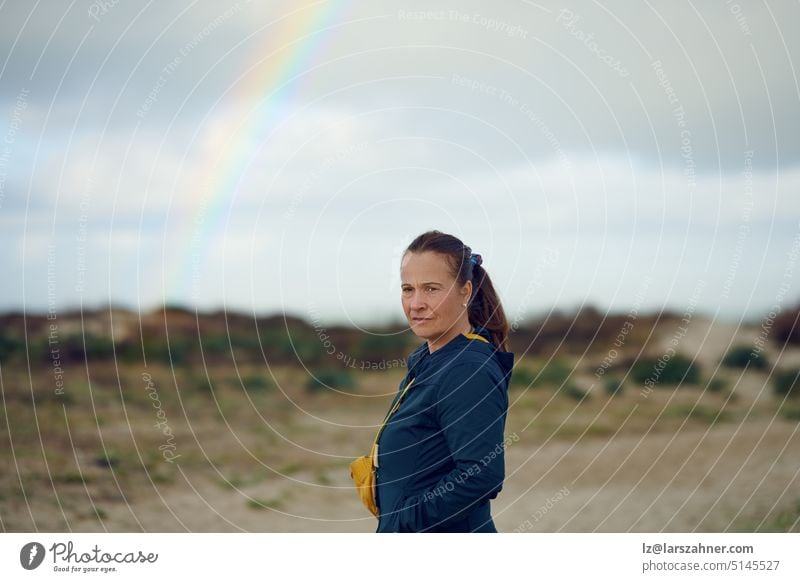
[486,310]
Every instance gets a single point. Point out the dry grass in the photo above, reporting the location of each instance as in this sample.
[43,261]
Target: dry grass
[270,455]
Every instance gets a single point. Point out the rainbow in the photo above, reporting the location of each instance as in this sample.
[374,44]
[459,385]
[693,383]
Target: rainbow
[291,45]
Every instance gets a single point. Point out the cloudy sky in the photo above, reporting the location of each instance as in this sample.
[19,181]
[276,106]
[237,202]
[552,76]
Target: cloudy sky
[278,156]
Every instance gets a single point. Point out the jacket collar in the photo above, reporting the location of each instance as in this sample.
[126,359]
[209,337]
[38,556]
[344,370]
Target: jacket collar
[457,343]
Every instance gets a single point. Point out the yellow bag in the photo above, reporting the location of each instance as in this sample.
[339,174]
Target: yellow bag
[362,470]
[363,474]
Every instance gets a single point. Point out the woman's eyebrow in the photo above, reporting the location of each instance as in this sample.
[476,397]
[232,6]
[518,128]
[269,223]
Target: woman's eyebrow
[428,283]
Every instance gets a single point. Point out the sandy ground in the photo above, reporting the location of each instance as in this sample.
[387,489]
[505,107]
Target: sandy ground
[724,479]
[696,480]
[736,475]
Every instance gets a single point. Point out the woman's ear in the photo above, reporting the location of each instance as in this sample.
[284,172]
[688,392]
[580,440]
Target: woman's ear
[467,292]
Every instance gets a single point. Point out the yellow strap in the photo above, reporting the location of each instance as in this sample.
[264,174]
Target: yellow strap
[391,412]
[397,404]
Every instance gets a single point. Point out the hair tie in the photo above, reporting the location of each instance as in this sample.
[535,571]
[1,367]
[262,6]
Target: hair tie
[476,259]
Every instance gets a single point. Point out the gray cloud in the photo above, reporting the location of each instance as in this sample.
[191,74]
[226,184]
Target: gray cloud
[617,130]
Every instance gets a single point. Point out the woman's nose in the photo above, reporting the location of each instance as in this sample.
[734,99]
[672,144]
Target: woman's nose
[416,301]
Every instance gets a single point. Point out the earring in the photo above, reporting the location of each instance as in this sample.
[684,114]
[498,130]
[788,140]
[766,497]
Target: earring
[464,304]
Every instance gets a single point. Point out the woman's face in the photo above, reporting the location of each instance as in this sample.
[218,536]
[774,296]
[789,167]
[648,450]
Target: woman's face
[432,302]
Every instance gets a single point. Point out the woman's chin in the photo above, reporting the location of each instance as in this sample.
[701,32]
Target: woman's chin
[419,332]
[421,328]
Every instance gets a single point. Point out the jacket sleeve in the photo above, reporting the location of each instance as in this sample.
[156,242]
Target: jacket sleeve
[471,409]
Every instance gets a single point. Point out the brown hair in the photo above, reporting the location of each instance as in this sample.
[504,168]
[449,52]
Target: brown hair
[484,307]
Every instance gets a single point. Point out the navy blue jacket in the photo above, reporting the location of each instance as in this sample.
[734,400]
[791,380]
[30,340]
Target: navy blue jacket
[441,455]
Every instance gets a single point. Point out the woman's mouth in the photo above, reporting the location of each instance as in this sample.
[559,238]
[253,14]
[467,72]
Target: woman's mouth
[420,319]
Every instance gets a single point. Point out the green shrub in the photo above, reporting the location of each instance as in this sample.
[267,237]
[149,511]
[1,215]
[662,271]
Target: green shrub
[256,383]
[787,326]
[717,384]
[216,345]
[700,412]
[77,347]
[264,503]
[176,352]
[330,379]
[107,458]
[129,351]
[613,386]
[300,346]
[677,369]
[98,347]
[791,411]
[221,344]
[574,392]
[381,347]
[785,521]
[522,377]
[9,345]
[787,383]
[741,356]
[555,372]
[71,477]
[199,382]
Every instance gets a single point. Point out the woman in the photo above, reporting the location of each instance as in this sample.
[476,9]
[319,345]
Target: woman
[440,456]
